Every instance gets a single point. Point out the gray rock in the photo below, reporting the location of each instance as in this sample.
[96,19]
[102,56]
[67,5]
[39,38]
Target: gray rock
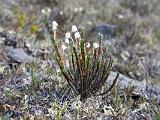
[151,63]
[108,31]
[18,55]
[140,85]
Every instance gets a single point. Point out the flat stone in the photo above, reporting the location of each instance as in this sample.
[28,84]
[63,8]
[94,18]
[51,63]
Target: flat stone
[106,30]
[18,55]
[140,86]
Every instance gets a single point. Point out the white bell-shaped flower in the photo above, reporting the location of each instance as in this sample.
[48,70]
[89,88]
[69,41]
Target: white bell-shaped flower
[95,45]
[77,35]
[68,35]
[54,25]
[74,28]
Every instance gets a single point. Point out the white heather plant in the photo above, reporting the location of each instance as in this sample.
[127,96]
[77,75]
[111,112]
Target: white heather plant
[88,68]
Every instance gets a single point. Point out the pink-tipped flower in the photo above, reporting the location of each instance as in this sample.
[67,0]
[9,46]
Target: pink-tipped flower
[63,47]
[88,45]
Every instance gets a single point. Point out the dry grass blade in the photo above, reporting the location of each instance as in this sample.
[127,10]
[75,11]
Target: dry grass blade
[110,88]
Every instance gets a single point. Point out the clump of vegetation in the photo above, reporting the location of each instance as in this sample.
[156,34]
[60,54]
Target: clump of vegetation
[85,68]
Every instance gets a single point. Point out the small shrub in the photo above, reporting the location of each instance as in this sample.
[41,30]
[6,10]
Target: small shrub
[87,68]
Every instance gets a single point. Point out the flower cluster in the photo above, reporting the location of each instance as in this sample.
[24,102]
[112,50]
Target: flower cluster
[71,36]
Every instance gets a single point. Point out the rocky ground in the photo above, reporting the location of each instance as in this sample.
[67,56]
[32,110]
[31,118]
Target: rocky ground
[31,84]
